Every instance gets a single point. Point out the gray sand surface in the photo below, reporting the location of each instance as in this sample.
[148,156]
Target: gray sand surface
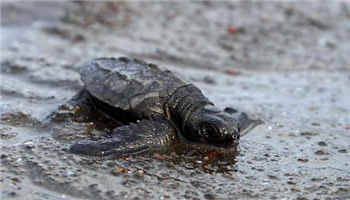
[285,63]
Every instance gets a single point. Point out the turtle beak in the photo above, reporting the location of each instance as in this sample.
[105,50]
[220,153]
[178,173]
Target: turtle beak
[246,124]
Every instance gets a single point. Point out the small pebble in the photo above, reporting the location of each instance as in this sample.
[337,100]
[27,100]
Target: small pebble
[232,72]
[342,151]
[118,171]
[321,153]
[322,143]
[317,179]
[209,196]
[29,144]
[291,183]
[15,179]
[209,80]
[158,156]
[12,194]
[347,127]
[303,160]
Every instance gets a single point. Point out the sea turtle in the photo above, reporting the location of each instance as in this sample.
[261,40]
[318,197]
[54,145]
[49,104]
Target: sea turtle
[157,107]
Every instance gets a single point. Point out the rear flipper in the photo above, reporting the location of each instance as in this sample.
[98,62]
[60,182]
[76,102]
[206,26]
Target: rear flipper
[144,136]
[79,106]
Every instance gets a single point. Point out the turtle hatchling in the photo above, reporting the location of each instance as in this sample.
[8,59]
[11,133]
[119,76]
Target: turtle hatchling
[157,108]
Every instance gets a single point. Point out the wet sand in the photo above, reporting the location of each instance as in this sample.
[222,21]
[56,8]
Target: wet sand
[285,63]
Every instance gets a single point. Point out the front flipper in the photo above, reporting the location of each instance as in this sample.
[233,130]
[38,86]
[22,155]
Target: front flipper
[144,136]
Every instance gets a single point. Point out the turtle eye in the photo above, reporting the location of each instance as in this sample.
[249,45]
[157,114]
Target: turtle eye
[213,131]
[210,132]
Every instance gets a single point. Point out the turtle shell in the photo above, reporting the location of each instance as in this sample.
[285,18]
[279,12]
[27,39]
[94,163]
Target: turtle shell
[126,83]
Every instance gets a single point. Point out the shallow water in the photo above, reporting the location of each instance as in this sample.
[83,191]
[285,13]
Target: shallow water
[290,70]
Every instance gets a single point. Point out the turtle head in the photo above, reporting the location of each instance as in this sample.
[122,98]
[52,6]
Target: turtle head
[220,127]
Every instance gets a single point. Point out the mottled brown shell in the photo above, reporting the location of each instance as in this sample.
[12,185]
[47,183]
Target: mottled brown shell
[126,83]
